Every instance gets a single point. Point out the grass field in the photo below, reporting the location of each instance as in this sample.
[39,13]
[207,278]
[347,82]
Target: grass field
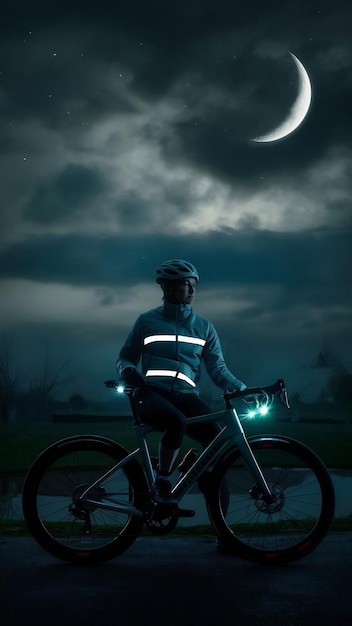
[21,443]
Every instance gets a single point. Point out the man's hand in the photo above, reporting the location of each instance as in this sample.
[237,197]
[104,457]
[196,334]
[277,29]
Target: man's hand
[132,378]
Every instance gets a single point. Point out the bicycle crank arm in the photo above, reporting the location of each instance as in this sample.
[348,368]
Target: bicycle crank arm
[185,513]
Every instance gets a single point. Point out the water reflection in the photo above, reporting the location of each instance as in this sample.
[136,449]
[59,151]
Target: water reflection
[342,480]
[11,498]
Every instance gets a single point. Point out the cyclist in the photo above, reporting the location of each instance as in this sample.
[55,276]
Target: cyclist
[171,341]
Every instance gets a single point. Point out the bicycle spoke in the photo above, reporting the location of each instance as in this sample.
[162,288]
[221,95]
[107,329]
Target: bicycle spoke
[66,522]
[288,526]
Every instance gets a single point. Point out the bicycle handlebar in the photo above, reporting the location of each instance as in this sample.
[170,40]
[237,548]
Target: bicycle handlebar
[270,390]
[112,384]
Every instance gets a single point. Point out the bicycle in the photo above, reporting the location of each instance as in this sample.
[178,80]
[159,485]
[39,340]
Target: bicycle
[269,498]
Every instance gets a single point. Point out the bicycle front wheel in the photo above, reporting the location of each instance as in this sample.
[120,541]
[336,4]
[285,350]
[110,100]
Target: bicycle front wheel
[61,522]
[291,525]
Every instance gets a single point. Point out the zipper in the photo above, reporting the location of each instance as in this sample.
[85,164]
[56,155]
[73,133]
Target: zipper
[176,330]
[176,343]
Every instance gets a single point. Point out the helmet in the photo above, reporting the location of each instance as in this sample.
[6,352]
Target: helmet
[174,270]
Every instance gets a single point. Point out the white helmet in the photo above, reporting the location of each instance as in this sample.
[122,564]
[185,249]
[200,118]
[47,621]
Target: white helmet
[174,270]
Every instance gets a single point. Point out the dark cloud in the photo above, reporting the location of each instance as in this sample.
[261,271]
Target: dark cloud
[303,265]
[67,194]
[235,79]
[216,136]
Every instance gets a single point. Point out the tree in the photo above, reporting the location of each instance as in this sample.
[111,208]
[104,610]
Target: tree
[339,386]
[9,382]
[77,402]
[53,372]
[336,381]
[326,359]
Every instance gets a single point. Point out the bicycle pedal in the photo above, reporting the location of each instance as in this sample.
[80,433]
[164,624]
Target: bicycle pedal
[185,513]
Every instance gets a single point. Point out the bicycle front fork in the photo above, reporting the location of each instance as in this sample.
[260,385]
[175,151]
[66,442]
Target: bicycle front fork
[252,465]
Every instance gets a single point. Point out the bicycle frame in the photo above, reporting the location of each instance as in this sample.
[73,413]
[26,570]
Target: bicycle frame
[231,434]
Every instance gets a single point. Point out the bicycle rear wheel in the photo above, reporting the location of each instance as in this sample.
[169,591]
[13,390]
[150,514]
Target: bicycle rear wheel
[293,524]
[56,517]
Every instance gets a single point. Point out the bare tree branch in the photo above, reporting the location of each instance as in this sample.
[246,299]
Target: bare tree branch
[9,380]
[53,373]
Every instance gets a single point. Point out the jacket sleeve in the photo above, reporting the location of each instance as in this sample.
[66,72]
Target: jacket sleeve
[215,364]
[131,351]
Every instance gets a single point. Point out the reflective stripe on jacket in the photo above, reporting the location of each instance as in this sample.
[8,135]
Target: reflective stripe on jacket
[171,341]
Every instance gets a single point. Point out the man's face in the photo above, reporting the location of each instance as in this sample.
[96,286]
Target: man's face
[181,291]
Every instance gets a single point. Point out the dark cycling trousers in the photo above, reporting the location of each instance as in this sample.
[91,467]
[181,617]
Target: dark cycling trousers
[168,412]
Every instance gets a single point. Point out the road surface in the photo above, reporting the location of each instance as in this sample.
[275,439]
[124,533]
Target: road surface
[175,581]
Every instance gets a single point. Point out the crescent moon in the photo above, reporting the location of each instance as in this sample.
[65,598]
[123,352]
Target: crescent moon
[298,110]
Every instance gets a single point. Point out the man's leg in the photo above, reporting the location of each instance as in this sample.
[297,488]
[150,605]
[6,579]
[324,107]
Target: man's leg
[155,408]
[192,406]
[167,458]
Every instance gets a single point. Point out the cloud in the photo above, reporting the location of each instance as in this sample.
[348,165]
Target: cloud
[306,269]
[131,188]
[27,303]
[159,133]
[73,191]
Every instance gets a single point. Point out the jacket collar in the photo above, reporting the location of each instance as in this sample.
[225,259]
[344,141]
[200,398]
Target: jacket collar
[176,311]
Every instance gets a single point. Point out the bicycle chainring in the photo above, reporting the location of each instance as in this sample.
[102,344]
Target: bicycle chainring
[161,519]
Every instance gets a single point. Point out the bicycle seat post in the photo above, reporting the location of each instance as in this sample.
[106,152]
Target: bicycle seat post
[134,406]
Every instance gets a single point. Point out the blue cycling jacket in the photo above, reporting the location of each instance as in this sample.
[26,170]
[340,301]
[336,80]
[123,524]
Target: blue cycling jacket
[171,341]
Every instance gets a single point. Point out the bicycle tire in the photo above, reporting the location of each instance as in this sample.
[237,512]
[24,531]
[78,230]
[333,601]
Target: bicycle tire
[54,482]
[290,527]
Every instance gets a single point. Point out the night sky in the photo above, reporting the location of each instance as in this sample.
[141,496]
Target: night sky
[126,140]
